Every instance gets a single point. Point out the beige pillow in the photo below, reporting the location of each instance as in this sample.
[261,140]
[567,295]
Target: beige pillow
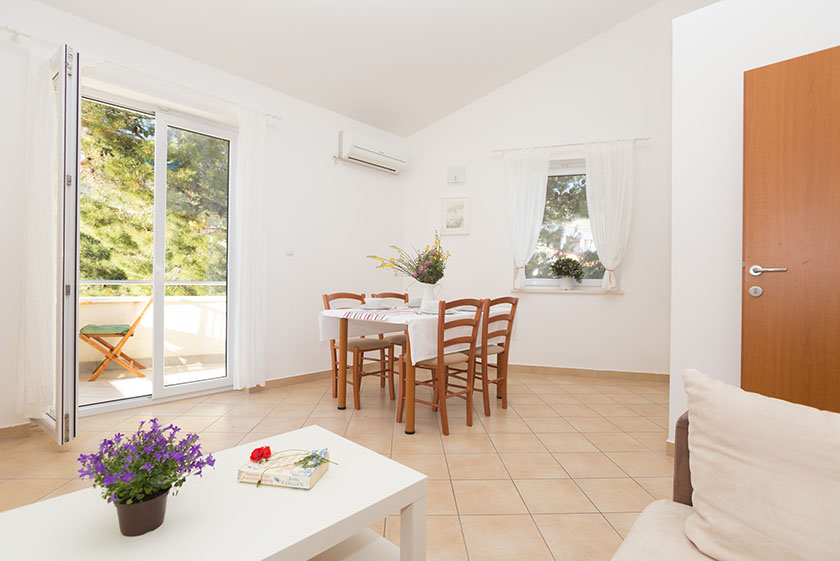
[766,475]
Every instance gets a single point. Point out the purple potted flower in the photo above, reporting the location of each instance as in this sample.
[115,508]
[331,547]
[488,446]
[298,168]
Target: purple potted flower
[137,472]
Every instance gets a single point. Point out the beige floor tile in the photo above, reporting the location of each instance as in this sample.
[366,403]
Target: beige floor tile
[654,441]
[648,409]
[20,492]
[420,442]
[533,466]
[439,497]
[468,444]
[549,424]
[588,464]
[566,442]
[332,424]
[362,425]
[534,410]
[432,465]
[633,399]
[381,443]
[616,495]
[255,438]
[659,487]
[217,441]
[503,425]
[493,496]
[517,444]
[278,425]
[476,466]
[504,538]
[621,521]
[643,464]
[211,409]
[635,423]
[572,410]
[594,398]
[612,410]
[192,423]
[562,398]
[64,465]
[615,442]
[578,537]
[551,496]
[14,463]
[234,424]
[592,424]
[444,539]
[69,487]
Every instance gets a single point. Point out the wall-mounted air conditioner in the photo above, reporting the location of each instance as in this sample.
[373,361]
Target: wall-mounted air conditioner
[359,149]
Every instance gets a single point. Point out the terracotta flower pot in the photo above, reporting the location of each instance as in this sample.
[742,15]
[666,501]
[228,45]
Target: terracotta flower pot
[138,518]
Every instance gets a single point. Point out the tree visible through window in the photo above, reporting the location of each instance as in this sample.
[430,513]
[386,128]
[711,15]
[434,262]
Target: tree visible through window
[566,230]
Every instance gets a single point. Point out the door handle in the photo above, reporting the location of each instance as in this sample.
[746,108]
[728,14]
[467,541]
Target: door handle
[756,270]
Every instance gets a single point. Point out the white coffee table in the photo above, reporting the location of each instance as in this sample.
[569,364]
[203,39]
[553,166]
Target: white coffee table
[215,517]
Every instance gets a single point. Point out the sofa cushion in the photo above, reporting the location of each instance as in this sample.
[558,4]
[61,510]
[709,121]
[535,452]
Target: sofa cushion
[658,535]
[766,475]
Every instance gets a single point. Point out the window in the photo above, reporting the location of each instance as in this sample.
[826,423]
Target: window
[566,231]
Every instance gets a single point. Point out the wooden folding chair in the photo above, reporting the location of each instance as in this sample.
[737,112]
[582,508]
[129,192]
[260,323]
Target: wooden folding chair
[94,335]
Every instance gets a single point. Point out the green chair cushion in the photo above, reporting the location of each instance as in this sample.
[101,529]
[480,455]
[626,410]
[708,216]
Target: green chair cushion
[109,329]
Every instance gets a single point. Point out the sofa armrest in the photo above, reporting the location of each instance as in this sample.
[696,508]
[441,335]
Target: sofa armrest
[682,470]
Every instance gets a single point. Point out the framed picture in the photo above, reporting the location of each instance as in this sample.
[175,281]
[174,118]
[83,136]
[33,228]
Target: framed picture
[456,216]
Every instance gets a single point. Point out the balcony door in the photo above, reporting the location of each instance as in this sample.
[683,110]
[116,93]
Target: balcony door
[153,252]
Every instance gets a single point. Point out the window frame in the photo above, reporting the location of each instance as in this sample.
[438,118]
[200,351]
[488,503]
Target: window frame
[165,117]
[561,167]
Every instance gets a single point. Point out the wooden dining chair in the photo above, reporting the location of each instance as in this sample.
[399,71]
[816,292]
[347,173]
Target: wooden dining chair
[496,328]
[398,339]
[458,333]
[360,347]
[95,336]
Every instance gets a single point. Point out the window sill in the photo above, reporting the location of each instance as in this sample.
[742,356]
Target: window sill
[548,290]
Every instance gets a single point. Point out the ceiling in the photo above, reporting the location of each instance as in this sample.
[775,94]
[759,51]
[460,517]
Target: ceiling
[398,65]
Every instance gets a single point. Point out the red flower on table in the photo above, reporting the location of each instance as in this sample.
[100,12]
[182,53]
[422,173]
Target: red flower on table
[261,453]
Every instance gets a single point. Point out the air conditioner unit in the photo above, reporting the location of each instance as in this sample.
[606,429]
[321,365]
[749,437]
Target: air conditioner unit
[359,149]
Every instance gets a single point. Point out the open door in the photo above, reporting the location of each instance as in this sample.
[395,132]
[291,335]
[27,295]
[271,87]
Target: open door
[59,419]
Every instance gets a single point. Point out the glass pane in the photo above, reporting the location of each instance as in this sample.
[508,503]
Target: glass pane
[116,201]
[124,318]
[566,230]
[195,318]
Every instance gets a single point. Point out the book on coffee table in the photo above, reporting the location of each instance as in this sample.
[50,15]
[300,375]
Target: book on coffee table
[281,471]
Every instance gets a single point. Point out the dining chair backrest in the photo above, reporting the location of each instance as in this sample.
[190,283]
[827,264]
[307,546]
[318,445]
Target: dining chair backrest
[498,323]
[396,295]
[451,333]
[329,298]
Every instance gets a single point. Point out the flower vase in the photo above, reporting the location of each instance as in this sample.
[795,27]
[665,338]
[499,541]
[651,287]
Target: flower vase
[566,283]
[144,516]
[429,302]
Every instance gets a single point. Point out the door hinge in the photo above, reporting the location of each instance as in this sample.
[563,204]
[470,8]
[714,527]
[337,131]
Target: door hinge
[68,180]
[68,62]
[67,427]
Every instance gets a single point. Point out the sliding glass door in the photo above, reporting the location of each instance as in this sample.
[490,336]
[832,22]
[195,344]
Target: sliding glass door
[153,255]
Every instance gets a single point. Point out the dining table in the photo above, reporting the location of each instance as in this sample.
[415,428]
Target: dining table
[421,340]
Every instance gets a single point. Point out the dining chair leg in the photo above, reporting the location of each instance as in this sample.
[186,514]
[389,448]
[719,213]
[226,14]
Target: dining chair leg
[334,361]
[383,368]
[485,388]
[503,371]
[441,401]
[401,398]
[470,379]
[391,353]
[357,378]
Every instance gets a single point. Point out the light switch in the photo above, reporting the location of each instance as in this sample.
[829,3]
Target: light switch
[456,173]
[290,251]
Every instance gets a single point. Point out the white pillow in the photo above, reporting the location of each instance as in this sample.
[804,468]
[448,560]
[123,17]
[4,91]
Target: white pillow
[766,475]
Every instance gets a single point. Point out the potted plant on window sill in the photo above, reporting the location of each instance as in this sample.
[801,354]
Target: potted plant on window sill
[569,271]
[137,472]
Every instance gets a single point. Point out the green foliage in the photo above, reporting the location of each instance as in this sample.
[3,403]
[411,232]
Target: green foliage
[567,267]
[117,203]
[565,210]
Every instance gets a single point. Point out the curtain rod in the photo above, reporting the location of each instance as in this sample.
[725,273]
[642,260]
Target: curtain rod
[637,139]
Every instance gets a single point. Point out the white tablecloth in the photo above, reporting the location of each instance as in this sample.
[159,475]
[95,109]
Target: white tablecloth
[422,327]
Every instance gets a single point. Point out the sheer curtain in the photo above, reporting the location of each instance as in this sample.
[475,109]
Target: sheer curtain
[36,364]
[526,176]
[609,195]
[248,258]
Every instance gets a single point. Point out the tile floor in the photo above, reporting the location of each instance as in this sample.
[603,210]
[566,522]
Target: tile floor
[561,474]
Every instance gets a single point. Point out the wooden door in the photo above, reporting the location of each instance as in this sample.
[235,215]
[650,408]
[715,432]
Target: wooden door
[791,332]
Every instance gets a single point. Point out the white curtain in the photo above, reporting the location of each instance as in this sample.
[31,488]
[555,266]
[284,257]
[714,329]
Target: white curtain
[248,258]
[526,176]
[609,195]
[36,363]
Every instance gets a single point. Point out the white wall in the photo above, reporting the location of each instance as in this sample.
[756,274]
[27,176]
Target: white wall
[712,49]
[332,215]
[616,85]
